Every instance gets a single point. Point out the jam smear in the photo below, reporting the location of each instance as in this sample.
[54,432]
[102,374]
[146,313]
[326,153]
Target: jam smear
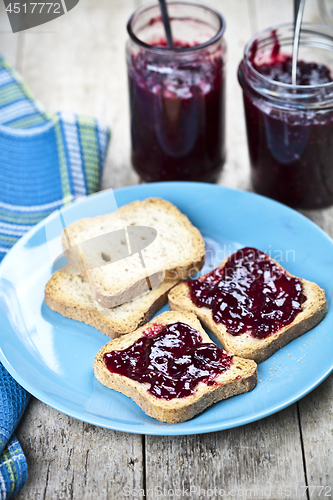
[250,294]
[172,359]
[177,114]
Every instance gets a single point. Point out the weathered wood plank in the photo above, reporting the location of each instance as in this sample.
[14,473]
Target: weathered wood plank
[316,417]
[316,411]
[239,21]
[71,459]
[252,461]
[282,12]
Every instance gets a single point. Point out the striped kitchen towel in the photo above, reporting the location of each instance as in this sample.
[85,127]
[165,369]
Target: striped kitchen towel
[13,469]
[13,466]
[46,161]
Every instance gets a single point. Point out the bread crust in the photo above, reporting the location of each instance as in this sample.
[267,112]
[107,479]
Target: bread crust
[187,263]
[246,346]
[69,294]
[178,409]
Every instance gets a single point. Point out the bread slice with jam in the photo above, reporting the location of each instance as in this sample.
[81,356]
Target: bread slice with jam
[252,304]
[172,369]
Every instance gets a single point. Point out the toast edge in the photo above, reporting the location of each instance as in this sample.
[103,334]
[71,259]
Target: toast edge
[96,319]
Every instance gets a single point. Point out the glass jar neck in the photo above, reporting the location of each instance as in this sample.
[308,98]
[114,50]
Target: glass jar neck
[194,27]
[280,38]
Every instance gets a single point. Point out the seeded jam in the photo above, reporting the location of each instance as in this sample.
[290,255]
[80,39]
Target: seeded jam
[177,114]
[307,73]
[279,67]
[172,359]
[250,294]
[290,145]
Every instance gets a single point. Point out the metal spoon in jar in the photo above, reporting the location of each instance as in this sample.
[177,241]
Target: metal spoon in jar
[166,23]
[298,14]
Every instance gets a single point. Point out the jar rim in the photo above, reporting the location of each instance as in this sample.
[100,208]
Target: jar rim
[269,30]
[167,50]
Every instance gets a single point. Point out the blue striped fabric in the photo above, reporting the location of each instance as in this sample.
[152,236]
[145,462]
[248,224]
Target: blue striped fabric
[13,466]
[46,161]
[13,469]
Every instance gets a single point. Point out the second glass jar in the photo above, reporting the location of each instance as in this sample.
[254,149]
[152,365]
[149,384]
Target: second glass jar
[177,95]
[290,127]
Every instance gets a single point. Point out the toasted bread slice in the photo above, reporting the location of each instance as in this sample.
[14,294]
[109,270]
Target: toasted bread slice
[245,345]
[69,294]
[240,377]
[178,250]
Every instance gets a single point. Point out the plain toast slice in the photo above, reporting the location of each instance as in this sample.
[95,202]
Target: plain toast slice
[69,294]
[240,377]
[178,250]
[245,345]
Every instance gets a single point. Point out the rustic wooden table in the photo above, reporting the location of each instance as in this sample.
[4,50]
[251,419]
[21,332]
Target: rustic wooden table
[77,63]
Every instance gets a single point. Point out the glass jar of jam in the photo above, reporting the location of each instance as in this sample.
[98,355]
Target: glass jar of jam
[290,127]
[177,95]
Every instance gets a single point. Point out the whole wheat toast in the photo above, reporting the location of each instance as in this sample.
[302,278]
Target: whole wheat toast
[240,377]
[177,252]
[246,345]
[69,294]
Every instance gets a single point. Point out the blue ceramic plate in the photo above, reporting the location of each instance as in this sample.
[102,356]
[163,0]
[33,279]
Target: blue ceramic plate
[52,357]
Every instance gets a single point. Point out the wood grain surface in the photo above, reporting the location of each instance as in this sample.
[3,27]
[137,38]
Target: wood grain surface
[77,63]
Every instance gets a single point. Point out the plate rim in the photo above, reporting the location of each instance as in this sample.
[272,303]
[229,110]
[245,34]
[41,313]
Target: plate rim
[165,429]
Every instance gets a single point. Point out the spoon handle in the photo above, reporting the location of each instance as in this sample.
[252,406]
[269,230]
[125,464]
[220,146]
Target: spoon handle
[296,9]
[166,23]
[297,31]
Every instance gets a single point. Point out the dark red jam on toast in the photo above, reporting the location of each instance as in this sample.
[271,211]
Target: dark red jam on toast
[172,359]
[250,294]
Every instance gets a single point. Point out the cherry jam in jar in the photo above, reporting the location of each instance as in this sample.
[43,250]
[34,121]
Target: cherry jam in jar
[290,127]
[177,95]
[172,359]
